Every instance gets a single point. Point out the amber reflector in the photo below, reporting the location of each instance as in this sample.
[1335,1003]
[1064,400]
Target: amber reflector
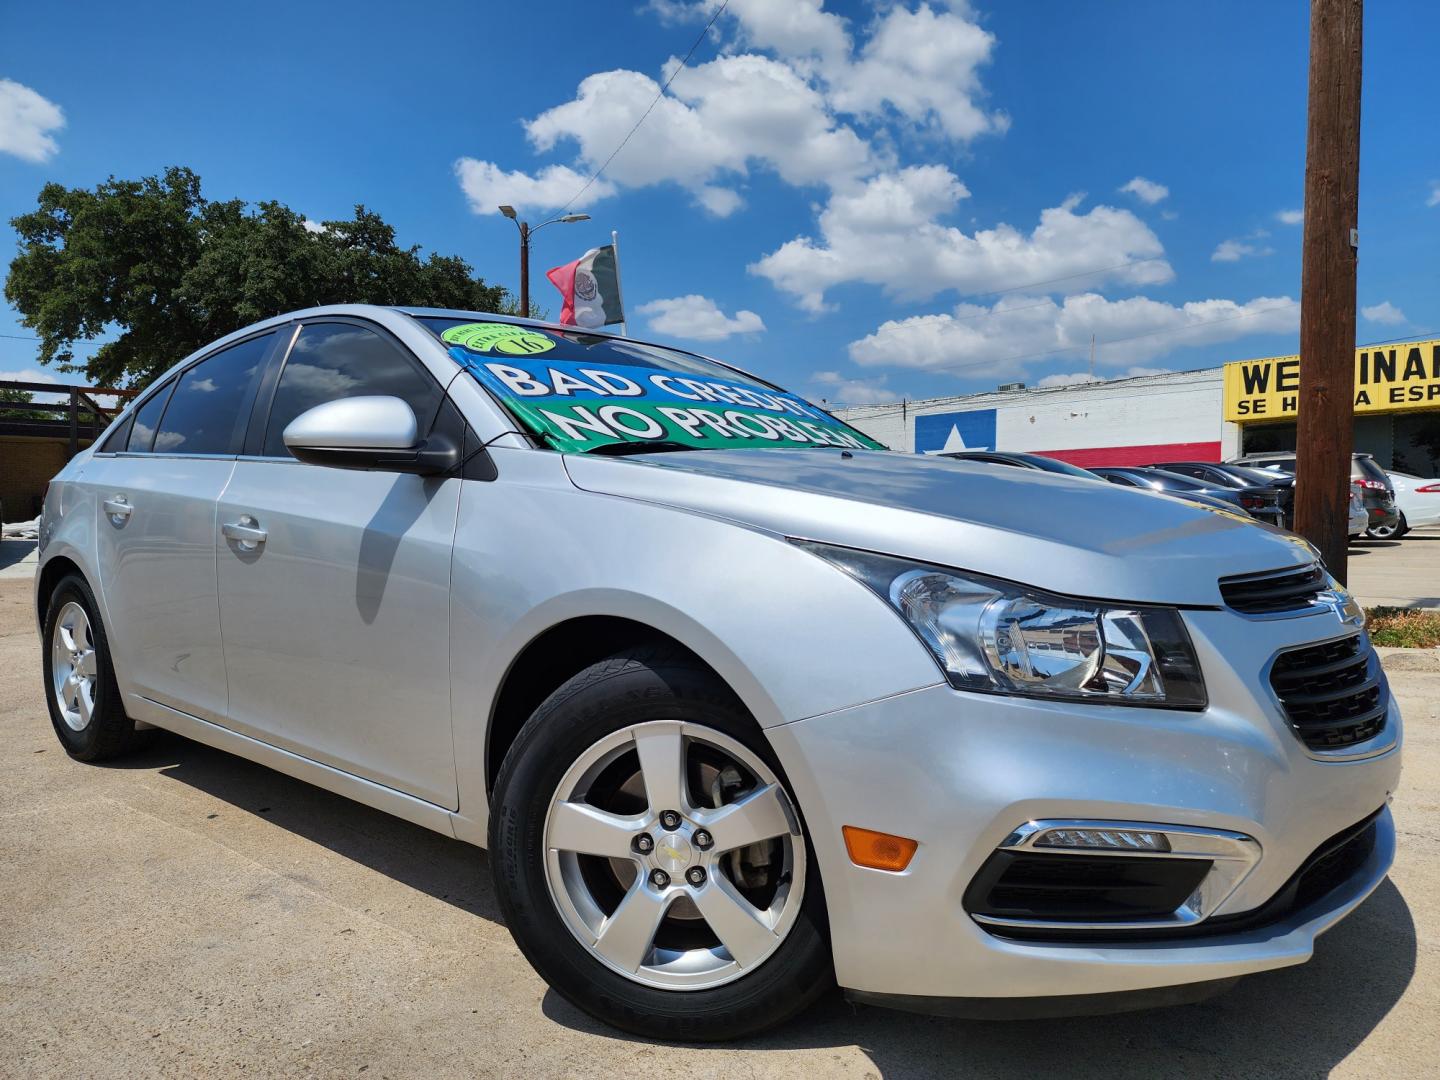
[878,850]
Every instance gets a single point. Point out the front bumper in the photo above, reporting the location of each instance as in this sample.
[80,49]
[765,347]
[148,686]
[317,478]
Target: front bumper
[959,772]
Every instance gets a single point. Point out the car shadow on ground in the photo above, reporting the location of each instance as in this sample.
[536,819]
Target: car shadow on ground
[14,551]
[1300,1021]
[439,866]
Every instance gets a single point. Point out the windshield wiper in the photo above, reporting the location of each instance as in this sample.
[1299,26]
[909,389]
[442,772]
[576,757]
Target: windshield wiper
[640,446]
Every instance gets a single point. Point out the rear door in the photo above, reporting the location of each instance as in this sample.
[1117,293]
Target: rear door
[336,621]
[155,501]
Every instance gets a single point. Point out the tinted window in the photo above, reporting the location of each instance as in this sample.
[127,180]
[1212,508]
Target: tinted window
[147,419]
[117,439]
[1367,468]
[339,360]
[205,409]
[1121,479]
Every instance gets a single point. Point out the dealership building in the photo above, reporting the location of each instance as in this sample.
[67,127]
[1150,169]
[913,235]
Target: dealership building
[1213,414]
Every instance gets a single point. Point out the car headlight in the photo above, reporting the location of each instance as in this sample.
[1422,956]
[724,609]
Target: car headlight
[998,637]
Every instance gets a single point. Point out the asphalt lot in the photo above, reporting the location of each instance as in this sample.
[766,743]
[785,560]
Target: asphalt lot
[185,913]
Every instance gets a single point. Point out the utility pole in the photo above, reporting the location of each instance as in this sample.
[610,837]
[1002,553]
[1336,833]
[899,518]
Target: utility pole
[1325,429]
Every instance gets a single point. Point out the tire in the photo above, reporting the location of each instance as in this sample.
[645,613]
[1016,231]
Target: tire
[96,728]
[1389,532]
[587,738]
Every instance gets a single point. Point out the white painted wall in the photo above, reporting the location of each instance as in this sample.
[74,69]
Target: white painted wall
[1156,409]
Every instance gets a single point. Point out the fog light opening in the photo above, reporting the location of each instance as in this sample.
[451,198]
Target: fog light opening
[878,850]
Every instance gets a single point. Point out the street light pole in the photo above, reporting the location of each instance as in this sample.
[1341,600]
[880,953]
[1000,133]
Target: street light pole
[525,233]
[524,270]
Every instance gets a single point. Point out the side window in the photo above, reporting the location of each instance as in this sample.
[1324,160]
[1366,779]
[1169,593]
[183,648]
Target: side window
[147,419]
[340,360]
[205,410]
[117,439]
[1121,479]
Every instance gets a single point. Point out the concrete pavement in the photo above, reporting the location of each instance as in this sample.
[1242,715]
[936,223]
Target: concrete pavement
[1398,573]
[185,913]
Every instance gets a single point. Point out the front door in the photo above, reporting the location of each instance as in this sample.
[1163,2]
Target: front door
[335,584]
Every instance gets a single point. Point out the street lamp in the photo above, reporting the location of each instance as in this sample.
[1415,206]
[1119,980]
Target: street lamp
[525,233]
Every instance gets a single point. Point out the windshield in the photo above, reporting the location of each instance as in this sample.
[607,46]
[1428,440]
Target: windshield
[578,391]
[1177,481]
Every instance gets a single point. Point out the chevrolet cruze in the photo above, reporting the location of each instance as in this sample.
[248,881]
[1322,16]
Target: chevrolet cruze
[741,704]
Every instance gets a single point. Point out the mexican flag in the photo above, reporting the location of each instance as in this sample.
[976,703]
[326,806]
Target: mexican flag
[591,288]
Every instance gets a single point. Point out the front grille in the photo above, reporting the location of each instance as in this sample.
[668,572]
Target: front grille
[1333,694]
[1273,591]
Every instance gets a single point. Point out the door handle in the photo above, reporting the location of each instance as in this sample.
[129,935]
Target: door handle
[246,533]
[118,509]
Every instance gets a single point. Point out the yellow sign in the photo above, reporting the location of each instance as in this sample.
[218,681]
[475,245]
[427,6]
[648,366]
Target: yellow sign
[1388,378]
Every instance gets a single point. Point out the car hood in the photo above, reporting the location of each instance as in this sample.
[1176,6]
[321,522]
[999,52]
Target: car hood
[1069,535]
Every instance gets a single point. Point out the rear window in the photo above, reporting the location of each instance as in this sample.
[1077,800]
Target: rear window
[578,391]
[1366,468]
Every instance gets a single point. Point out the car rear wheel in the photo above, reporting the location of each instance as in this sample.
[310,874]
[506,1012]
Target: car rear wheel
[80,688]
[1389,532]
[649,859]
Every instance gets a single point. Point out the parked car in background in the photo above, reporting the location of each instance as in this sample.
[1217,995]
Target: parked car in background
[1023,461]
[1359,517]
[742,704]
[1261,507]
[1417,502]
[1257,489]
[1376,488]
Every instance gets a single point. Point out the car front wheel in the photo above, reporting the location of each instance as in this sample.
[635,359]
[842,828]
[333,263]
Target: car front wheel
[649,860]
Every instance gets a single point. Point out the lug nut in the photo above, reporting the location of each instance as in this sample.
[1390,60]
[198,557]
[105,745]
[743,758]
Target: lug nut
[703,839]
[643,844]
[659,878]
[670,819]
[695,875]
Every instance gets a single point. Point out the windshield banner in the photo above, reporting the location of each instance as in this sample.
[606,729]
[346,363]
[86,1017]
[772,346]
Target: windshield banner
[576,405]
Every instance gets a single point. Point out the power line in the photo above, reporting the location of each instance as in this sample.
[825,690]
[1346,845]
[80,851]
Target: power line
[678,68]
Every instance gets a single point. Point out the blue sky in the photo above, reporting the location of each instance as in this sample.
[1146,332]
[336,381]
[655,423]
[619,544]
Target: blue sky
[859,201]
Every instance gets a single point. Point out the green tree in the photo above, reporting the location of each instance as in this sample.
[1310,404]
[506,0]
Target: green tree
[10,396]
[172,271]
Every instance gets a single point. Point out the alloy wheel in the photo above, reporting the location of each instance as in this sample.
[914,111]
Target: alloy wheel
[73,666]
[674,856]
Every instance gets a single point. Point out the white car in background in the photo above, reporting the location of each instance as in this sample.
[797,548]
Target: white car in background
[1418,501]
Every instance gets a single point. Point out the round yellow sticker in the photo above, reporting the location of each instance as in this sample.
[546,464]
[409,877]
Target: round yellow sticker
[501,338]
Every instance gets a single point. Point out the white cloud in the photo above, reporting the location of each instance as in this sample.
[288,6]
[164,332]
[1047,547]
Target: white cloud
[38,397]
[698,318]
[1245,247]
[719,120]
[1434,199]
[838,391]
[313,226]
[487,187]
[886,233]
[774,99]
[1001,340]
[26,121]
[1383,312]
[925,66]
[1147,191]
[1075,378]
[1290,217]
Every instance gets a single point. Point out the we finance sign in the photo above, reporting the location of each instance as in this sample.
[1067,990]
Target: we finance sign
[1388,378]
[581,403]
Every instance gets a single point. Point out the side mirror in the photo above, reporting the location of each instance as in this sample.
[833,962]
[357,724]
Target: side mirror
[374,433]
